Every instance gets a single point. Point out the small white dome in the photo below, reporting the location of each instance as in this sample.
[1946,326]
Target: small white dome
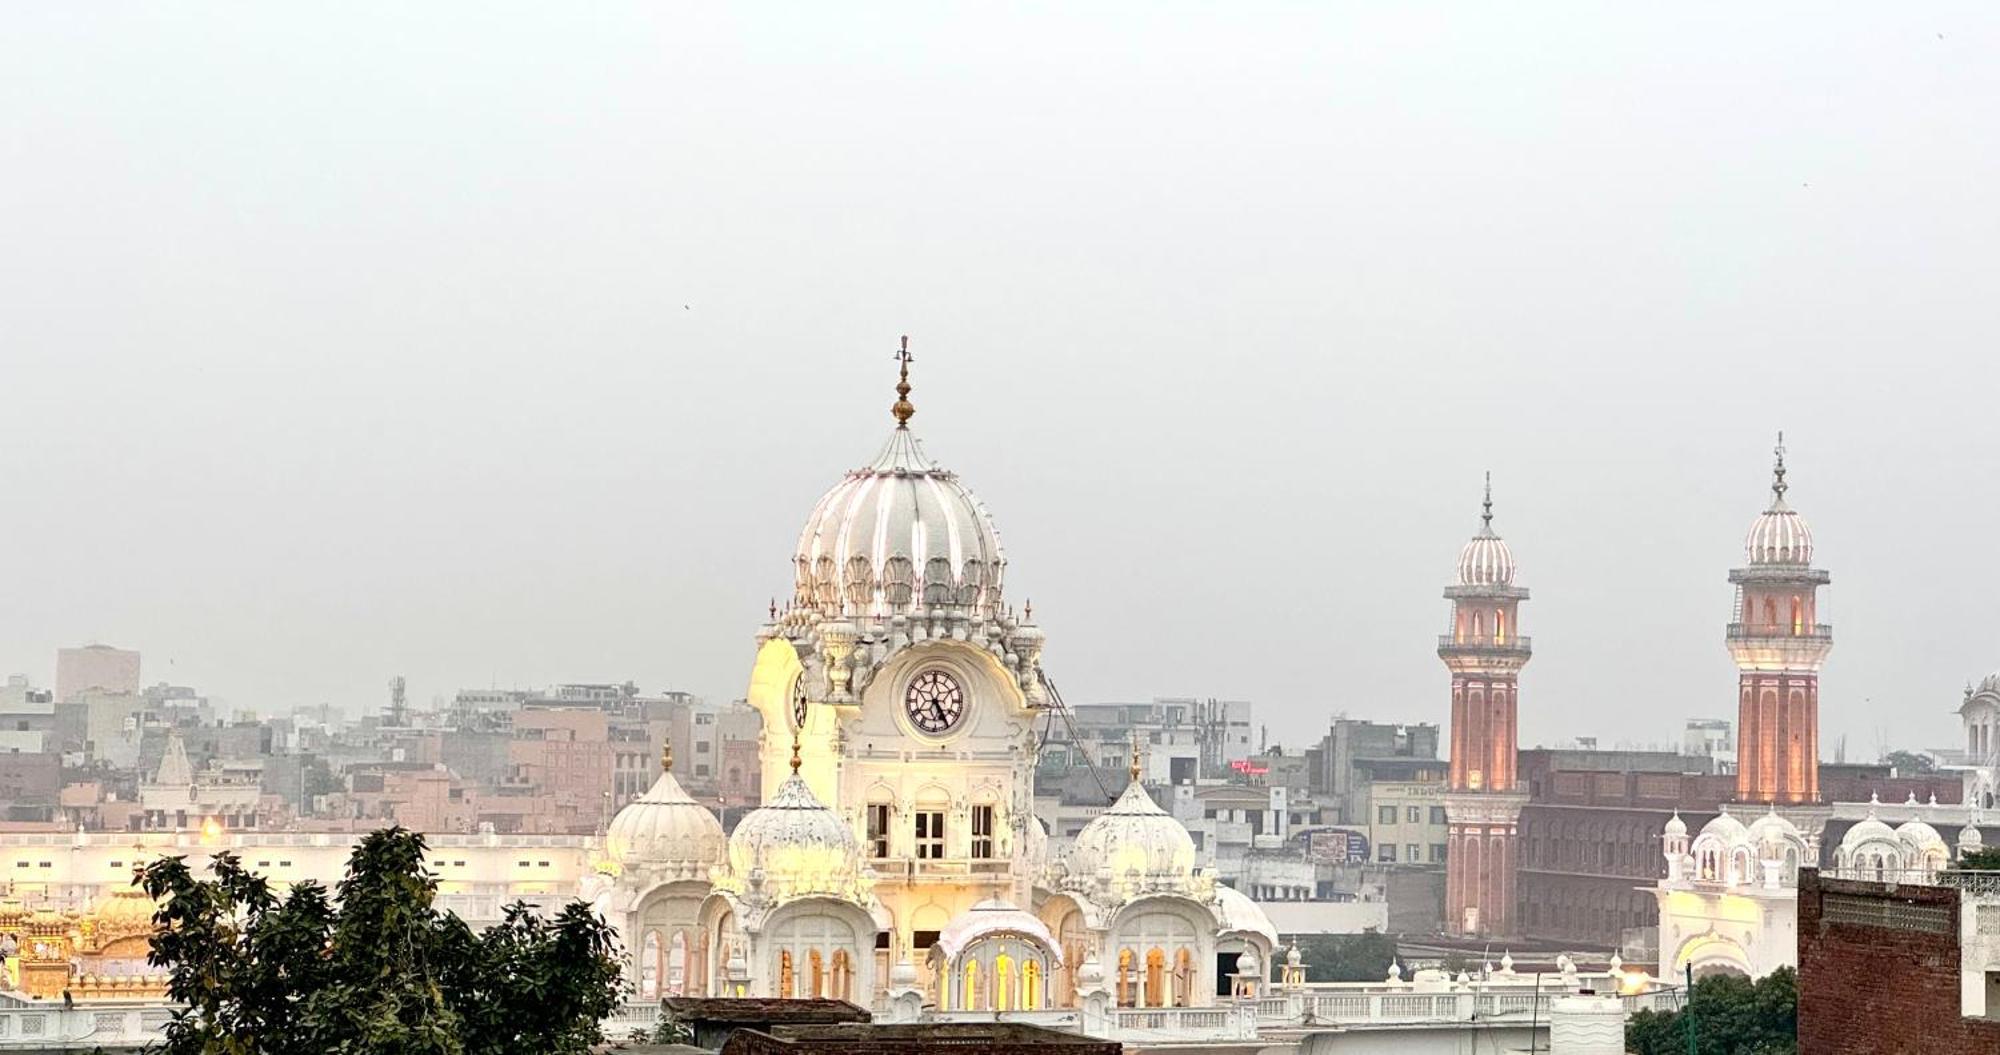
[1235,912]
[797,843]
[1726,828]
[1134,835]
[666,827]
[1920,836]
[1969,838]
[1771,834]
[1868,829]
[991,917]
[1676,826]
[1248,963]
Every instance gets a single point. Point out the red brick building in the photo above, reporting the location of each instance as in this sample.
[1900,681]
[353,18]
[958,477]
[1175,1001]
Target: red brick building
[1879,971]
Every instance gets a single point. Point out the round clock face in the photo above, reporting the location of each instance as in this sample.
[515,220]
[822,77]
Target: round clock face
[934,702]
[799,702]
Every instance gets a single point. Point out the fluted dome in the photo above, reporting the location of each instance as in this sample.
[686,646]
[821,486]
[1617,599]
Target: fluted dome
[797,843]
[1771,834]
[991,917]
[1726,828]
[1779,535]
[897,534]
[1676,826]
[1134,835]
[1486,560]
[666,828]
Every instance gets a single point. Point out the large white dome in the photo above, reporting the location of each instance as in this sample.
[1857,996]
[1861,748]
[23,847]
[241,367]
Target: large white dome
[666,828]
[897,534]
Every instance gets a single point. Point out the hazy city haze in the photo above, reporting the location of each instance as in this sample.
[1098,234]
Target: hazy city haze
[506,346]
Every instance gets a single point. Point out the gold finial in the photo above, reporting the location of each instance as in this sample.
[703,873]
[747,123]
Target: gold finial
[903,408]
[1135,758]
[796,760]
[1028,611]
[667,757]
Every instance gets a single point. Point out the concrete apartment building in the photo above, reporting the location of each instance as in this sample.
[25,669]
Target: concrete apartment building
[96,667]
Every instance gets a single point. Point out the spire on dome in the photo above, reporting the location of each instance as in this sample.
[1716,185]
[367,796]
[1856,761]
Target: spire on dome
[796,760]
[667,757]
[1778,486]
[1135,758]
[1486,506]
[903,409]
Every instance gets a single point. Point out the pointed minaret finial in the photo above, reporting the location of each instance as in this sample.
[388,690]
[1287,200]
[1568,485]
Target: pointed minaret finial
[796,760]
[667,757]
[903,409]
[1778,470]
[1135,758]
[1486,506]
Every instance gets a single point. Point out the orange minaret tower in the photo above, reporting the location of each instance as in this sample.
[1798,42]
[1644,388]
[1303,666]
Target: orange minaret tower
[1779,645]
[1485,651]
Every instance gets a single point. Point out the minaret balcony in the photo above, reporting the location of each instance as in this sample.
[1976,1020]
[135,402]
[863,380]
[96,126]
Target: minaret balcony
[1486,644]
[1767,631]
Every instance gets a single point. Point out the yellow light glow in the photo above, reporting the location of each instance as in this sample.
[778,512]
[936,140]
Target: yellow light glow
[1633,982]
[211,829]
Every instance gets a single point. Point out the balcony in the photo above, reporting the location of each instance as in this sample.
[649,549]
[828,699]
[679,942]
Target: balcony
[1487,643]
[1821,632]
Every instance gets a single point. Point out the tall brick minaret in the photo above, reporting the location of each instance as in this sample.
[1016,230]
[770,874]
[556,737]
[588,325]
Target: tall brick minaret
[1485,652]
[1779,645]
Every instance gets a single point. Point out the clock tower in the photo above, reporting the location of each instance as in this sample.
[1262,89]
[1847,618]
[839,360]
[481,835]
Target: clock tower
[913,686]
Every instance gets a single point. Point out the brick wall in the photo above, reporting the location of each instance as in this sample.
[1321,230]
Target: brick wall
[1878,971]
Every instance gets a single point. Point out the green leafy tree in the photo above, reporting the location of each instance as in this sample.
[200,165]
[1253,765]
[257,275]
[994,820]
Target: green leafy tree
[1910,763]
[381,972]
[1732,1015]
[1984,860]
[1363,957]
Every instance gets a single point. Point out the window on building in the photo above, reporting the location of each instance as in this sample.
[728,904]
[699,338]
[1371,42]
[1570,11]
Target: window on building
[1437,815]
[982,831]
[923,939]
[701,769]
[1413,853]
[1413,815]
[1437,853]
[1386,853]
[878,829]
[930,835]
[1385,815]
[701,747]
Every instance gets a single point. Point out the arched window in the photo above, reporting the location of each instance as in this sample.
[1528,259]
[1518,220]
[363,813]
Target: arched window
[1156,977]
[843,976]
[677,953]
[1183,977]
[649,966]
[1499,627]
[1798,616]
[817,968]
[784,974]
[1003,982]
[1031,984]
[1125,979]
[1478,626]
[1770,612]
[972,986]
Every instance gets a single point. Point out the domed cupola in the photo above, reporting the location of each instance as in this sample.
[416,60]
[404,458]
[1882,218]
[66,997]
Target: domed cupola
[1133,848]
[666,830]
[794,846]
[1486,560]
[1779,535]
[899,534]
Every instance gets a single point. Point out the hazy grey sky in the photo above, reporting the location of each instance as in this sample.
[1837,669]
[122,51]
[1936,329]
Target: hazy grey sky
[512,344]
